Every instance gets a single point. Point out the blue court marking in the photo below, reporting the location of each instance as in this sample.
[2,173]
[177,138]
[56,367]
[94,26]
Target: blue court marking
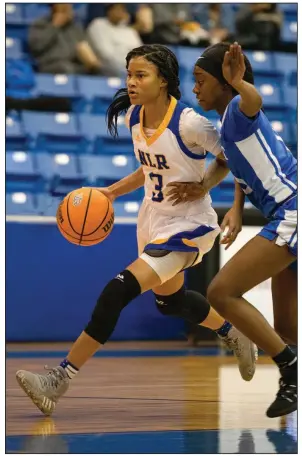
[208,351]
[177,442]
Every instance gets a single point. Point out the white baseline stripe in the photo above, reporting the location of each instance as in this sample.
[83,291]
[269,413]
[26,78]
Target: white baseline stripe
[43,219]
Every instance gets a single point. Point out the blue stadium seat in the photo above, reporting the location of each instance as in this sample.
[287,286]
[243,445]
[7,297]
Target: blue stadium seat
[187,95]
[187,58]
[283,129]
[33,11]
[20,203]
[15,137]
[288,8]
[94,128]
[21,172]
[13,13]
[262,62]
[291,96]
[271,94]
[289,31]
[13,48]
[287,64]
[101,170]
[96,93]
[54,132]
[127,208]
[59,85]
[104,171]
[47,204]
[60,171]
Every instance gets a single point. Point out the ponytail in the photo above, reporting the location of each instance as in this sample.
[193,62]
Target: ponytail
[120,104]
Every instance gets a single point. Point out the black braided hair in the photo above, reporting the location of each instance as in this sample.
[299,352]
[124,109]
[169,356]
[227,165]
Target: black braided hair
[165,60]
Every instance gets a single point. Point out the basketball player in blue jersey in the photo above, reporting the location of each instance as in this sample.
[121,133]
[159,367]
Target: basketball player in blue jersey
[170,142]
[266,172]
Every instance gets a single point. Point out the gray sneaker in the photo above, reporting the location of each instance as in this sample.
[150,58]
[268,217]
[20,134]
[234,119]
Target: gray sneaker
[245,351]
[44,390]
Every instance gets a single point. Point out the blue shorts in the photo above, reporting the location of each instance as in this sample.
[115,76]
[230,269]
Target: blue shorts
[282,226]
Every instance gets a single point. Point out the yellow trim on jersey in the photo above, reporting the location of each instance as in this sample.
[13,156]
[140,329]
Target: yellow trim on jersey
[159,241]
[188,243]
[163,125]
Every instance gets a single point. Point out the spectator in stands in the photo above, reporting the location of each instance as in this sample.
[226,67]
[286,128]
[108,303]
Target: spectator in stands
[258,26]
[112,37]
[59,46]
[174,24]
[217,19]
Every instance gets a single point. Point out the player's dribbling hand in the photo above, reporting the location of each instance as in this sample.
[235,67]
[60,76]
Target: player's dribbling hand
[105,190]
[184,192]
[233,67]
[232,220]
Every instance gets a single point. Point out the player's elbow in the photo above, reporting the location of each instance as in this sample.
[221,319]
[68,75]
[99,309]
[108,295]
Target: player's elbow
[252,107]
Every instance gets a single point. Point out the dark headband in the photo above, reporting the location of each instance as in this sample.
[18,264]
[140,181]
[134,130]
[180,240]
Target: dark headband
[212,67]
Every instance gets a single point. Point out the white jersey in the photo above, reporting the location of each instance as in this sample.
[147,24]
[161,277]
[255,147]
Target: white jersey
[175,152]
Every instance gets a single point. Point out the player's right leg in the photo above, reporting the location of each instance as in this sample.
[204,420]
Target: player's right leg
[285,303]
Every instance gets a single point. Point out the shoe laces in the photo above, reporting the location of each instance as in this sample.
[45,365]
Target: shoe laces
[286,390]
[232,344]
[53,378]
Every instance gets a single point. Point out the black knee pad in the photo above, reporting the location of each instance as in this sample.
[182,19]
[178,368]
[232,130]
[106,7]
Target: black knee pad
[187,304]
[115,296]
[171,304]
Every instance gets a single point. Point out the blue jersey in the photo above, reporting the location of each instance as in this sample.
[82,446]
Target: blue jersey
[258,158]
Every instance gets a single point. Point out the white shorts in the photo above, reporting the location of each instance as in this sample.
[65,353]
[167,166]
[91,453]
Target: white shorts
[188,238]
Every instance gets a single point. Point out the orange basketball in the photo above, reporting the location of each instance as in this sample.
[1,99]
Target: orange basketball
[85,216]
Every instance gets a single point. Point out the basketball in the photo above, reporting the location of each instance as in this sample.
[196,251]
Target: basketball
[85,216]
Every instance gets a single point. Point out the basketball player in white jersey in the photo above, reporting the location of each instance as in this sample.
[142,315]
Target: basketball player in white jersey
[170,142]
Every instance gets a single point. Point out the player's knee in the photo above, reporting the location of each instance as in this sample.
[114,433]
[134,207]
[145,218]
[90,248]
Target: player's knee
[119,292]
[171,304]
[186,304]
[217,295]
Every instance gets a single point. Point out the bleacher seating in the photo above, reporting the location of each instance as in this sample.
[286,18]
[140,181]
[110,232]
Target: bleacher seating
[13,48]
[94,128]
[59,85]
[53,132]
[21,172]
[96,93]
[60,151]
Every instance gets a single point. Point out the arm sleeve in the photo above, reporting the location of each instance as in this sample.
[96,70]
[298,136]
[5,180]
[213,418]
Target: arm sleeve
[198,133]
[237,125]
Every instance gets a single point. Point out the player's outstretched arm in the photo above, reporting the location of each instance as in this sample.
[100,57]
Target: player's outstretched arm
[233,69]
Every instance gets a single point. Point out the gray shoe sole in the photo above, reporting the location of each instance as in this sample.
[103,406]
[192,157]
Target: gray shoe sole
[43,403]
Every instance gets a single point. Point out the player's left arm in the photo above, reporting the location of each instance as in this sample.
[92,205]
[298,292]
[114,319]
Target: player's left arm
[233,69]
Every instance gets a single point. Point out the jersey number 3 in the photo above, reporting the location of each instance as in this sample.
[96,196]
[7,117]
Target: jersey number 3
[158,196]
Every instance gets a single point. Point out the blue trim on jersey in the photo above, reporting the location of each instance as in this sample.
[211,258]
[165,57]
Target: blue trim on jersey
[175,243]
[273,163]
[174,127]
[134,116]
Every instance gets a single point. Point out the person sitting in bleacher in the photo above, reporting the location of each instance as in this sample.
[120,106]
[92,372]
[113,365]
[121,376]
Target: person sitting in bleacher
[258,26]
[112,37]
[58,44]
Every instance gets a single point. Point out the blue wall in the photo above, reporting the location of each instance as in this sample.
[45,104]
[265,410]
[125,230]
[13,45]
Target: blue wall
[52,286]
